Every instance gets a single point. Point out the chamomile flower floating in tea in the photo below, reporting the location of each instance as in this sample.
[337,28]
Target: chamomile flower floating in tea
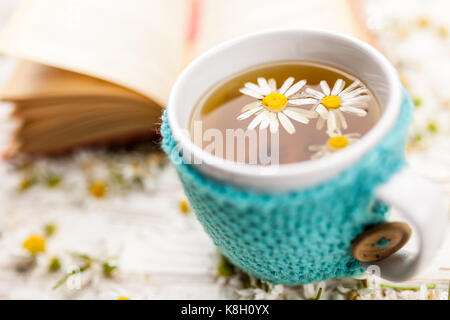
[228,118]
[333,144]
[274,105]
[331,104]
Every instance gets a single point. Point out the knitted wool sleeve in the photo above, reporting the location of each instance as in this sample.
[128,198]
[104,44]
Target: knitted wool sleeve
[301,236]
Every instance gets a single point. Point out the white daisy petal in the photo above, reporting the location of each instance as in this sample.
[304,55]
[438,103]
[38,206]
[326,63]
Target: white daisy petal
[354,85]
[256,121]
[358,102]
[332,123]
[334,132]
[249,113]
[340,117]
[320,123]
[295,88]
[354,94]
[264,85]
[319,154]
[286,123]
[356,111]
[251,93]
[306,113]
[338,86]
[314,93]
[296,116]
[298,95]
[272,84]
[301,102]
[352,135]
[253,87]
[273,121]
[274,124]
[289,81]
[315,147]
[325,87]
[322,111]
[265,122]
[251,105]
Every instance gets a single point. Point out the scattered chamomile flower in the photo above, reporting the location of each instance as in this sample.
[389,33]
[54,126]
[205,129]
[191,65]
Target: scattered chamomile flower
[333,144]
[330,104]
[417,142]
[443,32]
[411,288]
[314,291]
[184,206]
[53,181]
[363,287]
[26,183]
[49,229]
[24,263]
[403,33]
[157,159]
[432,127]
[447,104]
[404,80]
[55,264]
[423,22]
[123,298]
[418,102]
[34,244]
[108,266]
[225,269]
[353,295]
[74,272]
[274,106]
[98,189]
[109,269]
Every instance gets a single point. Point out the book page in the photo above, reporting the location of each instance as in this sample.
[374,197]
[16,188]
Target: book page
[223,20]
[34,81]
[137,44]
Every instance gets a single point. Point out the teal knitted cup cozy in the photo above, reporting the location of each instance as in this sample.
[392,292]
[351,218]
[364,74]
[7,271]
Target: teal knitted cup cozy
[299,236]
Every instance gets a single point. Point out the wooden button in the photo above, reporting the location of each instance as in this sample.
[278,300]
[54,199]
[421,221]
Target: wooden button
[380,241]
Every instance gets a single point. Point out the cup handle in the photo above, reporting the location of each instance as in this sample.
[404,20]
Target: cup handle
[423,206]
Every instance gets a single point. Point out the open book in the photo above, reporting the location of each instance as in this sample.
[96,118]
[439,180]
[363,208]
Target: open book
[101,71]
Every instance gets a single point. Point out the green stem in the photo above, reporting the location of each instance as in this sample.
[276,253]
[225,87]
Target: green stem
[417,288]
[107,267]
[319,294]
[85,257]
[67,276]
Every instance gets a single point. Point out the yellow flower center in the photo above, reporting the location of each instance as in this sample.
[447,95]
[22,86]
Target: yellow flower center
[275,102]
[123,298]
[331,102]
[34,244]
[338,142]
[184,206]
[98,189]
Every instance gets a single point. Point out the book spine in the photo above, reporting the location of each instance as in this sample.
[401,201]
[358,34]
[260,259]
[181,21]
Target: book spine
[193,21]
[192,29]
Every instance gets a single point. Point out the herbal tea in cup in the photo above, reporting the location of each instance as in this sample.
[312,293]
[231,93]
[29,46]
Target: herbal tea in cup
[283,113]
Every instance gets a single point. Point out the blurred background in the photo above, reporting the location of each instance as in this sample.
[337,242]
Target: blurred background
[112,221]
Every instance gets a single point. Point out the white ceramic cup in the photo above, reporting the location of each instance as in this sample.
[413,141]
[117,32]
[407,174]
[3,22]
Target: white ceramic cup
[419,200]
